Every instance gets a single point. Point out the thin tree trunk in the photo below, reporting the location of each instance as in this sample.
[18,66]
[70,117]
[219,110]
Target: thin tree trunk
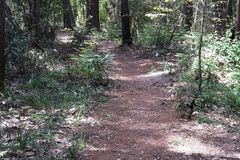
[229,12]
[54,15]
[68,16]
[188,12]
[219,14]
[36,20]
[2,45]
[126,33]
[229,18]
[192,105]
[93,14]
[238,20]
[200,49]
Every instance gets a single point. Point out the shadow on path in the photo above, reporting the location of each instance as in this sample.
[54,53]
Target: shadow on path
[139,120]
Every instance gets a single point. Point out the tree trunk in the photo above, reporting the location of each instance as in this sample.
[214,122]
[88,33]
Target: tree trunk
[68,16]
[219,15]
[229,18]
[238,20]
[188,12]
[36,20]
[93,14]
[2,45]
[126,33]
[229,12]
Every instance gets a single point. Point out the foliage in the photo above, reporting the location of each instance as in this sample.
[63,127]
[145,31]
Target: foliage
[91,67]
[103,11]
[113,33]
[73,150]
[220,75]
[227,49]
[79,35]
[50,93]
[53,96]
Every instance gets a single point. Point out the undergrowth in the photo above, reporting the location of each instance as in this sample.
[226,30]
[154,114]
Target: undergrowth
[40,109]
[220,67]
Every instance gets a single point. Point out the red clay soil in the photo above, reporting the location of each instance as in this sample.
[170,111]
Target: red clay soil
[139,121]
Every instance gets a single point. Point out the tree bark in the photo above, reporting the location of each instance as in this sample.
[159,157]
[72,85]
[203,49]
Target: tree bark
[2,45]
[93,14]
[126,20]
[188,12]
[68,16]
[238,20]
[36,20]
[229,18]
[219,14]
[229,12]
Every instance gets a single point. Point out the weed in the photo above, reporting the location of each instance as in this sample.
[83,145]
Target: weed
[204,120]
[75,148]
[217,90]
[91,68]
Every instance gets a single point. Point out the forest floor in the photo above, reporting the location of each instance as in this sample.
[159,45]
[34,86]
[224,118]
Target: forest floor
[140,121]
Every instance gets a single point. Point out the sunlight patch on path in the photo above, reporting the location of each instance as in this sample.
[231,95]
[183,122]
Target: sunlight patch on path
[192,145]
[64,37]
[153,74]
[149,75]
[92,148]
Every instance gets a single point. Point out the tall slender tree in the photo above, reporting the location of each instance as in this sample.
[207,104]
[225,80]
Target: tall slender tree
[229,18]
[2,44]
[68,16]
[36,20]
[238,20]
[126,20]
[93,14]
[188,12]
[229,12]
[219,16]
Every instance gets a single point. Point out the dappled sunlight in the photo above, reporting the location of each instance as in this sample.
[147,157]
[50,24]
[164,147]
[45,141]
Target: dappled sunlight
[149,127]
[189,145]
[147,76]
[153,74]
[123,78]
[145,64]
[105,46]
[92,148]
[120,80]
[64,38]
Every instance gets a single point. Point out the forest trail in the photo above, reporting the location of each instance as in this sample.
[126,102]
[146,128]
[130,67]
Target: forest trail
[139,120]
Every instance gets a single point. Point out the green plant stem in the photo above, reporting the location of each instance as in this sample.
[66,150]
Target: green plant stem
[200,50]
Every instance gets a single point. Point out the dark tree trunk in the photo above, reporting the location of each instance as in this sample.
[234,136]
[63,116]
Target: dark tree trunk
[188,12]
[92,14]
[126,33]
[36,20]
[238,20]
[219,15]
[2,44]
[229,18]
[68,16]
[229,12]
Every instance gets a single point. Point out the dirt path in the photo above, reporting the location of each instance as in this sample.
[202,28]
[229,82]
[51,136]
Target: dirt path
[139,120]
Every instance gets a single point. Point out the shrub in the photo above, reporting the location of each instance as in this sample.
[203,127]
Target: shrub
[220,73]
[113,32]
[90,67]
